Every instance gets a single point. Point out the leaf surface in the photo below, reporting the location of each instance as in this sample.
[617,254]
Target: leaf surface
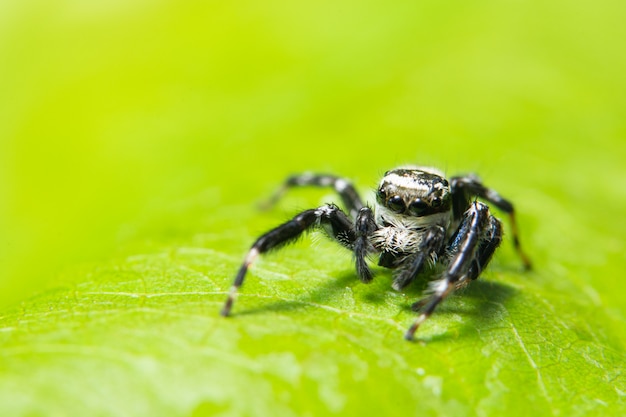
[141,334]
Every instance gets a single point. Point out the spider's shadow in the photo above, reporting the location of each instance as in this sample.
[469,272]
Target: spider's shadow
[485,303]
[324,294]
[331,290]
[487,298]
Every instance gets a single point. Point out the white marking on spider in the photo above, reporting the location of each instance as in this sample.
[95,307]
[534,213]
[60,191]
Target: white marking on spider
[341,185]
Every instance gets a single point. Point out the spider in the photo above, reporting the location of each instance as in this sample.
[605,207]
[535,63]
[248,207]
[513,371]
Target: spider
[419,217]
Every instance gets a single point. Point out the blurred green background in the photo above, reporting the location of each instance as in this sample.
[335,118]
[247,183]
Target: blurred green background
[114,112]
[110,109]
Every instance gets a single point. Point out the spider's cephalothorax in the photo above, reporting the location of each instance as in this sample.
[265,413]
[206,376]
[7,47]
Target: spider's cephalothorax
[419,216]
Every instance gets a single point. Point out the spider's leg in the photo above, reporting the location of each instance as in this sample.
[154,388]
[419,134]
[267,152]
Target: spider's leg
[486,249]
[364,226]
[466,188]
[432,243]
[329,217]
[351,199]
[464,251]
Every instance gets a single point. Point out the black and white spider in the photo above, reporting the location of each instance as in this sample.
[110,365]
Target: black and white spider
[419,216]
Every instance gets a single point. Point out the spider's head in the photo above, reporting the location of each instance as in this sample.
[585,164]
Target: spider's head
[414,193]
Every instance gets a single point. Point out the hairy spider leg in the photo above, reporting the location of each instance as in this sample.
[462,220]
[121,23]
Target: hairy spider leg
[465,250]
[432,243]
[329,217]
[465,188]
[351,199]
[486,249]
[364,226]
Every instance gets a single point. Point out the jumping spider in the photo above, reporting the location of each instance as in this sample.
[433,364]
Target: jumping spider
[419,216]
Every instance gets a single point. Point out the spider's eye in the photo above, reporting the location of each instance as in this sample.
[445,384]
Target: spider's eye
[436,202]
[396,204]
[380,195]
[418,207]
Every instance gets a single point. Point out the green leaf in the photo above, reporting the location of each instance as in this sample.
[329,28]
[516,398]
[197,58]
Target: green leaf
[141,335]
[137,139]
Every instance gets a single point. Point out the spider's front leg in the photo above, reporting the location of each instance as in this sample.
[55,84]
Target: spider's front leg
[468,187]
[472,246]
[329,217]
[365,225]
[351,199]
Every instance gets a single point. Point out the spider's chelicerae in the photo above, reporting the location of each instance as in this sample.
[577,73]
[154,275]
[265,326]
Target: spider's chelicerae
[419,216]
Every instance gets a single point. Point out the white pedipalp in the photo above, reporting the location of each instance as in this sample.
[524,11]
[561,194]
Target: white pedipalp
[401,233]
[397,240]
